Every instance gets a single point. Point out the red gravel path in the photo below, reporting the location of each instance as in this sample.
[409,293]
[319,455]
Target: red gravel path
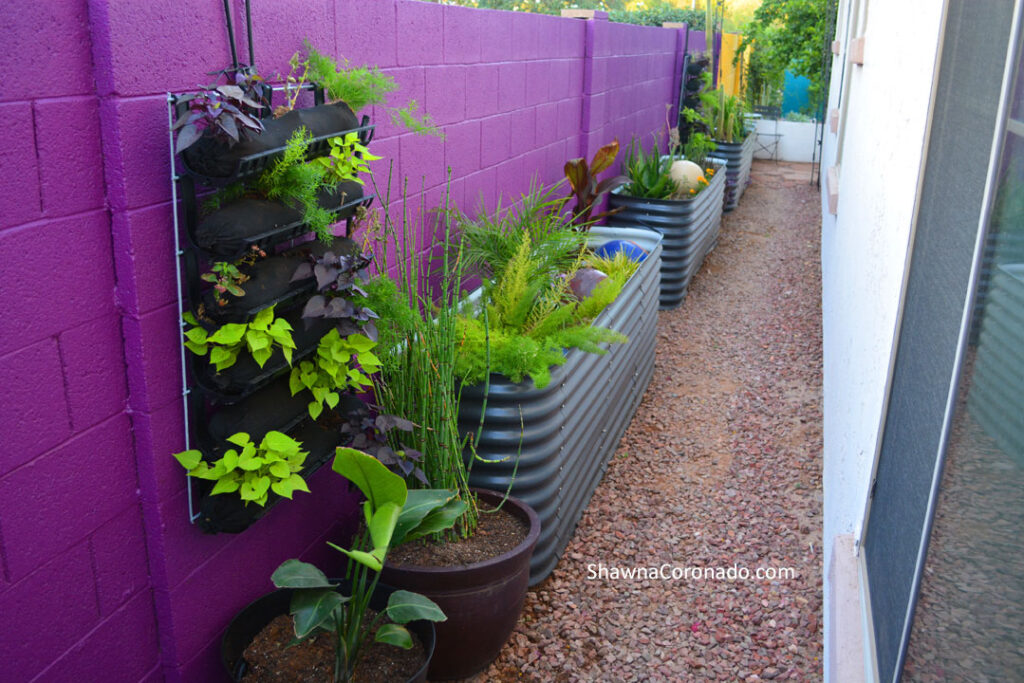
[719,468]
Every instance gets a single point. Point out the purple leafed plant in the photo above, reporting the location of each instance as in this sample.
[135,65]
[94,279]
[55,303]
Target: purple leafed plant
[227,113]
[336,283]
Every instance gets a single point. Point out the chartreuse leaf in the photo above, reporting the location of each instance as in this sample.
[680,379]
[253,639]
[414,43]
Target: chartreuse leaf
[393,634]
[223,357]
[405,606]
[298,483]
[239,439]
[370,476]
[361,342]
[382,525]
[263,319]
[298,574]
[278,441]
[366,559]
[228,334]
[295,381]
[282,488]
[261,356]
[189,459]
[225,486]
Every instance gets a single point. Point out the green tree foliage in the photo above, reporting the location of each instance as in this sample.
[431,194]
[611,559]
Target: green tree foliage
[539,6]
[786,34]
[657,13]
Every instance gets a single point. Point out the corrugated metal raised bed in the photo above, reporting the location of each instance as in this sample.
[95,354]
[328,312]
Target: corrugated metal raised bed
[570,428]
[737,157]
[997,392]
[690,229]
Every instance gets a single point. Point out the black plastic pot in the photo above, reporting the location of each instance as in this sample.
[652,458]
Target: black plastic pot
[564,434]
[482,601]
[232,231]
[690,228]
[251,620]
[214,163]
[737,157]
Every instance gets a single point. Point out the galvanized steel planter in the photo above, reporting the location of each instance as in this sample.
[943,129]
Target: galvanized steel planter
[689,227]
[997,392]
[737,156]
[570,428]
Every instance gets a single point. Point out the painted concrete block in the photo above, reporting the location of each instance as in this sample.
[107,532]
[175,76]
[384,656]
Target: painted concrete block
[158,436]
[94,370]
[480,191]
[511,86]
[70,158]
[144,254]
[153,351]
[137,151]
[102,654]
[538,82]
[30,633]
[420,30]
[462,148]
[280,27]
[366,32]
[526,36]
[523,127]
[445,97]
[462,35]
[29,67]
[58,499]
[547,124]
[496,36]
[422,160]
[34,414]
[495,139]
[481,91]
[119,559]
[19,169]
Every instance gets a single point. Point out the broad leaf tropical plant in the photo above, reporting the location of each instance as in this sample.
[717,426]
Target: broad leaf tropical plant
[585,186]
[392,514]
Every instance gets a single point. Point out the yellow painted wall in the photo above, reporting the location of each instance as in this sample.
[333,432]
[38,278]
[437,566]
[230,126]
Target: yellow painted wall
[729,75]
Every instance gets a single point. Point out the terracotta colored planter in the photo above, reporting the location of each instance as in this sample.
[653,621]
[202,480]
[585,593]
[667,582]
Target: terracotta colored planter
[482,601]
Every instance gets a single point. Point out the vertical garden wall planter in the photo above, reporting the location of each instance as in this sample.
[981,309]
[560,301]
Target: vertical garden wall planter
[255,235]
[689,227]
[737,157]
[565,433]
[998,389]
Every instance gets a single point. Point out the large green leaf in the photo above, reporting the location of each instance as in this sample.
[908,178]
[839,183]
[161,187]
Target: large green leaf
[239,438]
[439,519]
[382,525]
[312,607]
[366,559]
[370,476]
[299,574]
[393,634]
[225,486]
[281,442]
[405,606]
[418,504]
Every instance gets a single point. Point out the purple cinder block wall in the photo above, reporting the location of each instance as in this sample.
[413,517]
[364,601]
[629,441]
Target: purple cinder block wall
[101,575]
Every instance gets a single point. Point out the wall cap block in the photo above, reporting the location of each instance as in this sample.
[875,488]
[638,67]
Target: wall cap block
[673,24]
[835,47]
[833,120]
[585,14]
[857,51]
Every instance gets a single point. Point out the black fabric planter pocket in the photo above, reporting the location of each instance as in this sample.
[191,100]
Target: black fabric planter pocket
[246,376]
[214,163]
[270,283]
[233,230]
[273,408]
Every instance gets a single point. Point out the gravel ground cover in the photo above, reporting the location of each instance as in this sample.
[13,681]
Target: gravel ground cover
[719,469]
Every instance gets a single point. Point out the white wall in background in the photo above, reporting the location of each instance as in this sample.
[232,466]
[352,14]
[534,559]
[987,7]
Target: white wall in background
[795,140]
[878,151]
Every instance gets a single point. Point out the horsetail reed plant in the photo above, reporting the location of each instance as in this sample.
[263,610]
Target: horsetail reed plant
[417,379]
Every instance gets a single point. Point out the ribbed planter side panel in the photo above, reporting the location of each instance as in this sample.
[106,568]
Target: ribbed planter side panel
[689,227]
[997,391]
[737,156]
[565,433]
